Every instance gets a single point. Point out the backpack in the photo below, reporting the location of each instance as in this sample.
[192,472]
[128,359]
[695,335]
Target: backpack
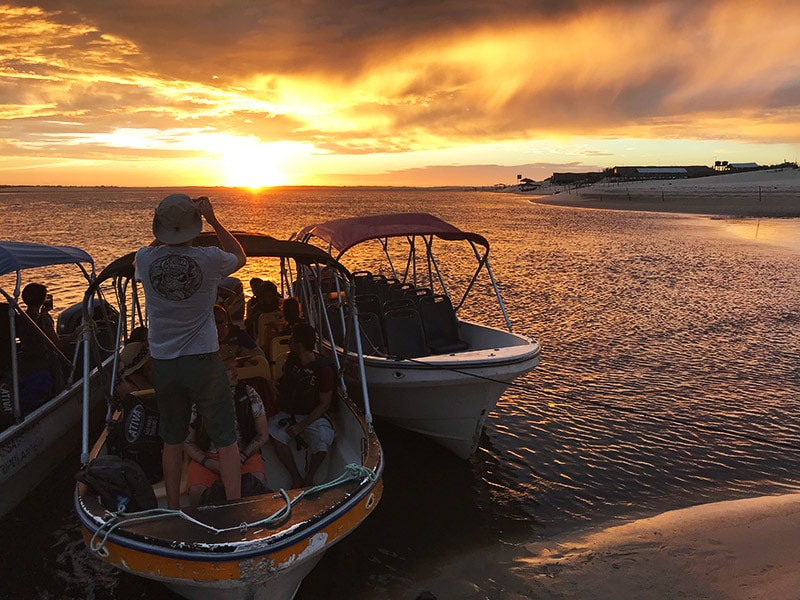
[120,484]
[135,435]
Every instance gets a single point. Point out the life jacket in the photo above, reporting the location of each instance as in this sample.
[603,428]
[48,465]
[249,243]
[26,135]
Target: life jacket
[298,387]
[244,417]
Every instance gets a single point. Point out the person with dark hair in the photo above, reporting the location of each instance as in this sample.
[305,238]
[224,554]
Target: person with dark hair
[180,284]
[265,300]
[292,314]
[229,334]
[40,367]
[305,392]
[38,307]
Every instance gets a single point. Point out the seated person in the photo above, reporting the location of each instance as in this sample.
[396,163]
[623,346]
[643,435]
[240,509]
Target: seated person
[290,307]
[39,305]
[305,391]
[136,369]
[252,432]
[41,374]
[230,335]
[266,299]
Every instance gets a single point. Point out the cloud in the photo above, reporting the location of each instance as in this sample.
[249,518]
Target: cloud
[360,78]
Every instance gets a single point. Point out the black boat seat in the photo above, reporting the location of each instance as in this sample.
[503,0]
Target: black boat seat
[440,324]
[405,337]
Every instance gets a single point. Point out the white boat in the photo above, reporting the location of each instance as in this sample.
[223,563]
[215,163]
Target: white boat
[35,439]
[428,369]
[259,547]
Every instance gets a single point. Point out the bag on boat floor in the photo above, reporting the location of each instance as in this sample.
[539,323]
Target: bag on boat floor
[120,483]
[135,435]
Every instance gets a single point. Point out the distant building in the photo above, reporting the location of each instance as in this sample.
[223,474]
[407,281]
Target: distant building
[574,178]
[638,173]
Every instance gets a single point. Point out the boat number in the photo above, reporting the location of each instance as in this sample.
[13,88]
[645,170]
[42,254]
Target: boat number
[370,502]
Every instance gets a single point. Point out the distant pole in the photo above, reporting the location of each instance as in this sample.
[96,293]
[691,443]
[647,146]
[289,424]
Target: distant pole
[759,193]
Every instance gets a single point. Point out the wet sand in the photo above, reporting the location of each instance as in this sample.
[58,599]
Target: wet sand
[741,549]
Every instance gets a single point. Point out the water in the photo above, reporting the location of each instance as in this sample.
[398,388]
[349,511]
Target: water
[669,377]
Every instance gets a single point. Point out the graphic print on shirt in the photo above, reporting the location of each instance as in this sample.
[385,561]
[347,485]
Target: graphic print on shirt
[175,277]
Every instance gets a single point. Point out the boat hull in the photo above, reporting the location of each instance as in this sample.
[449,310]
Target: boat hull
[32,449]
[449,397]
[216,559]
[271,573]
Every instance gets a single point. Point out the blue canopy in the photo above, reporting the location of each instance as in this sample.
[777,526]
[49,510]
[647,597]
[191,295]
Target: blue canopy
[16,256]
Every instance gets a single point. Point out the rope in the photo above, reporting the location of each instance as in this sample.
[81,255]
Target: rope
[100,538]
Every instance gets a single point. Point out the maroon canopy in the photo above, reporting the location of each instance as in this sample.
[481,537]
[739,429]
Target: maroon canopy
[343,234]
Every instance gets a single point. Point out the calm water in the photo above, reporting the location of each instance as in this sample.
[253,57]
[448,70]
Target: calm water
[670,376]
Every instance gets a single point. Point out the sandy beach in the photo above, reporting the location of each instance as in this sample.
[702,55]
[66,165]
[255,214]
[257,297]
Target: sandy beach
[774,193]
[741,549]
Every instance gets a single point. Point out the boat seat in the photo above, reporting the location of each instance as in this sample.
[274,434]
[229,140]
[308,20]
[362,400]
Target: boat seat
[370,303]
[405,336]
[400,290]
[363,282]
[371,334]
[420,293]
[396,303]
[269,324]
[256,371]
[441,325]
[380,287]
[337,328]
[278,353]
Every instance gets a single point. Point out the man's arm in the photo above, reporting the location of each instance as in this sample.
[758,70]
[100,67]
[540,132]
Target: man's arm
[226,240]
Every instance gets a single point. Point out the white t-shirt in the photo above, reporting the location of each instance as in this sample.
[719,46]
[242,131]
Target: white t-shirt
[180,286]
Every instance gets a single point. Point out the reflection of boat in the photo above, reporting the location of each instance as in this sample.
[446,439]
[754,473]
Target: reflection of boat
[427,370]
[36,434]
[260,547]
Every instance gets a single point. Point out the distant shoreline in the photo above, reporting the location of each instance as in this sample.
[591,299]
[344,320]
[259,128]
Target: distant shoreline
[760,194]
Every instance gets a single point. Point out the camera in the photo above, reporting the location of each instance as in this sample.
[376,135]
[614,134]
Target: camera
[48,302]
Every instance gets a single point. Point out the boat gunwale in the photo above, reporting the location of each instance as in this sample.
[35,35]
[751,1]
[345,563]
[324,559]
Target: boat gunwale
[234,550]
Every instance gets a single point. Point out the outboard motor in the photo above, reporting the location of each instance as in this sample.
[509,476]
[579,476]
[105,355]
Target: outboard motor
[105,317]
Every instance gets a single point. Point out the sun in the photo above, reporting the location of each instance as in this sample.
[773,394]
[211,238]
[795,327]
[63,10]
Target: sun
[252,164]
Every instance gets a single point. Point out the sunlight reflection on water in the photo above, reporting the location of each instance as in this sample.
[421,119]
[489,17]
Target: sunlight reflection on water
[669,372]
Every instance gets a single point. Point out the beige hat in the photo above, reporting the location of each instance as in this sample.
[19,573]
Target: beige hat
[133,356]
[177,220]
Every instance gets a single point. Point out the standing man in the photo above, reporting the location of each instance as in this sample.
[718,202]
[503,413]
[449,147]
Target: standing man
[180,287]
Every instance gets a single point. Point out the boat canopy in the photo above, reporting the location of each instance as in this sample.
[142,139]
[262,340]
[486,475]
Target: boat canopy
[343,234]
[254,244]
[16,256]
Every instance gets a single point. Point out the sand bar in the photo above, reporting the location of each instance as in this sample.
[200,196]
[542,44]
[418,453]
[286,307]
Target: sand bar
[733,550]
[774,193]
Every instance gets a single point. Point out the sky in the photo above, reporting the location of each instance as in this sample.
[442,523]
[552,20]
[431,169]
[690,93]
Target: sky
[389,92]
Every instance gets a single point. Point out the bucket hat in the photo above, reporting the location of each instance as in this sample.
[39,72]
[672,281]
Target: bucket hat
[177,220]
[133,356]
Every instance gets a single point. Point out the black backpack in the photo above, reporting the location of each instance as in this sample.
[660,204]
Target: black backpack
[120,483]
[135,435]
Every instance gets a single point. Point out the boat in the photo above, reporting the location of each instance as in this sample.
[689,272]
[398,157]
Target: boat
[428,369]
[36,435]
[260,547]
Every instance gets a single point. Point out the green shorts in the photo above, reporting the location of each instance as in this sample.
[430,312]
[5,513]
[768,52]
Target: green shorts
[187,380]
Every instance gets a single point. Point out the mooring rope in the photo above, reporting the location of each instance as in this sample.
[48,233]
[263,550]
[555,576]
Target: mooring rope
[121,518]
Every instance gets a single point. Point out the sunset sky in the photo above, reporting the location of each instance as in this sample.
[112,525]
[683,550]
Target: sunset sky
[389,92]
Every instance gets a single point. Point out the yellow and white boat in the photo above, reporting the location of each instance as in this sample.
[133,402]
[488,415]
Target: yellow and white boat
[260,547]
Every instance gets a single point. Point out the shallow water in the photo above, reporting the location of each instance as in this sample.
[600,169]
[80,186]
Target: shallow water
[669,377]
